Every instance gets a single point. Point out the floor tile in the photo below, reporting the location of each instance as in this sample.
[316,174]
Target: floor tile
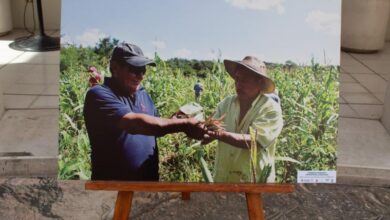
[358,68]
[42,74]
[12,72]
[360,98]
[363,143]
[18,101]
[8,55]
[347,111]
[351,87]
[381,55]
[46,102]
[52,57]
[347,60]
[51,90]
[368,111]
[25,89]
[346,77]
[342,100]
[379,66]
[34,131]
[380,96]
[385,76]
[374,83]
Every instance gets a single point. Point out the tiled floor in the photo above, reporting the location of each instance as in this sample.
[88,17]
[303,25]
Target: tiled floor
[363,142]
[363,82]
[29,84]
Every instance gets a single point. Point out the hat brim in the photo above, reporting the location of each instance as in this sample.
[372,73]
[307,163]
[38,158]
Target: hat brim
[231,66]
[139,61]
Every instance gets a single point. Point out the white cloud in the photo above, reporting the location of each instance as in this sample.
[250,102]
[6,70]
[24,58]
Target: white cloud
[159,44]
[65,39]
[90,37]
[259,4]
[328,23]
[183,53]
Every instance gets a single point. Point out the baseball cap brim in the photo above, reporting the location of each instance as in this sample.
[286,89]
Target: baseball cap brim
[139,61]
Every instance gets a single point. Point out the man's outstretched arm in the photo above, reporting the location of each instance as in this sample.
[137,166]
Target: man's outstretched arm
[137,123]
[234,139]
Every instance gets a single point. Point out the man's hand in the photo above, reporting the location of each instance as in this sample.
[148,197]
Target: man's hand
[195,129]
[207,139]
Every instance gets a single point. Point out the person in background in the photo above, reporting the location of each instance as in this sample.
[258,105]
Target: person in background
[198,88]
[254,105]
[122,121]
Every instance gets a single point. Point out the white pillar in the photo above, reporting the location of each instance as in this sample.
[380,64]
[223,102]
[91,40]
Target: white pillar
[364,25]
[5,17]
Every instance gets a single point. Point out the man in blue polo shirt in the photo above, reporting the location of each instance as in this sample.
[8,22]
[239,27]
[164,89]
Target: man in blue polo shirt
[122,121]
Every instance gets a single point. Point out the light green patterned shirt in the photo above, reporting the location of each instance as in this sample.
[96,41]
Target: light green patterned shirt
[265,115]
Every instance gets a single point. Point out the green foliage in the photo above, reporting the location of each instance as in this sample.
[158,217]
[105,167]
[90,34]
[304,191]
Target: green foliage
[74,159]
[191,67]
[309,102]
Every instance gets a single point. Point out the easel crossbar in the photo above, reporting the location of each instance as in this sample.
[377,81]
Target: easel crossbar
[188,187]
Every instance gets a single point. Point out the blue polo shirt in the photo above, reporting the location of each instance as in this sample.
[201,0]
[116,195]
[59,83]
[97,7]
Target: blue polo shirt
[116,154]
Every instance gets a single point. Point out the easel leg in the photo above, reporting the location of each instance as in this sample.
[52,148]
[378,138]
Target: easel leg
[255,206]
[185,195]
[123,205]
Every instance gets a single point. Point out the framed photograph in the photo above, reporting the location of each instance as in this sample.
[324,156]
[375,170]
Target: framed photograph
[199,91]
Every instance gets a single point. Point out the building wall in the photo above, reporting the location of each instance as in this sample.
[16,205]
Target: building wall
[51,10]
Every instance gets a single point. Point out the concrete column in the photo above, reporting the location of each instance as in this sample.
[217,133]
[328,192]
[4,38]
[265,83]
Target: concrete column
[364,25]
[386,109]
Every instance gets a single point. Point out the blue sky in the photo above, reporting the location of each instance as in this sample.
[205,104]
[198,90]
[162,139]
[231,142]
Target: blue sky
[273,30]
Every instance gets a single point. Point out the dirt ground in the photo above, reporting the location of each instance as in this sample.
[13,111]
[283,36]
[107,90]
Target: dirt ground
[46,198]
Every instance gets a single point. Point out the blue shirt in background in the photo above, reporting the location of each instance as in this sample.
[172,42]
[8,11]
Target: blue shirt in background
[198,88]
[116,154]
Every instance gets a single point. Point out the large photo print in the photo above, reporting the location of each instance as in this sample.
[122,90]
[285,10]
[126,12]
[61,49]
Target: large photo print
[197,91]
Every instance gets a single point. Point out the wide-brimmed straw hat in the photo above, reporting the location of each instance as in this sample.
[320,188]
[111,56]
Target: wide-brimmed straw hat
[254,65]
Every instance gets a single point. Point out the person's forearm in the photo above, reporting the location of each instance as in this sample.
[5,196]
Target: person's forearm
[235,139]
[136,123]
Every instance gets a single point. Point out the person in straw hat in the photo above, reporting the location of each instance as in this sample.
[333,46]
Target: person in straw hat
[254,105]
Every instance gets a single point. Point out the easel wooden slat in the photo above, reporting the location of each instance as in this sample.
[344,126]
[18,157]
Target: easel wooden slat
[187,187]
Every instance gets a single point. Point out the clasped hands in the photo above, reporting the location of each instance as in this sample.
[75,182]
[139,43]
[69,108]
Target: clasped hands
[199,131]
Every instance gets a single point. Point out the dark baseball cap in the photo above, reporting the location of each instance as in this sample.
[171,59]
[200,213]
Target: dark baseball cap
[131,54]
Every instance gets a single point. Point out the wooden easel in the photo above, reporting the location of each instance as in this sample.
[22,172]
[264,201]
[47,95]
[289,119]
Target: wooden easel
[126,189]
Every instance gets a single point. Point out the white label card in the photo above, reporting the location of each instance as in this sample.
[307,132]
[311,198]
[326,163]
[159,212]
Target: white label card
[328,176]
